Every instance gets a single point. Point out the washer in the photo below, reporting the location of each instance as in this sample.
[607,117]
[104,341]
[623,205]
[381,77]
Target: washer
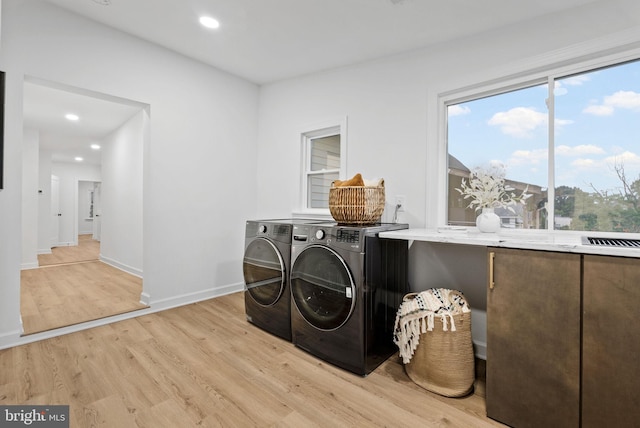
[266,266]
[347,285]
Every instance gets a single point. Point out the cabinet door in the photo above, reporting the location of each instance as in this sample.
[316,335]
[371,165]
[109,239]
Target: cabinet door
[533,338]
[611,342]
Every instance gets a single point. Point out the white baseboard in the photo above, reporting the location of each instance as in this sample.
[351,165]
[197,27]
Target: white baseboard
[480,349]
[116,264]
[31,265]
[14,338]
[45,251]
[185,299]
[145,299]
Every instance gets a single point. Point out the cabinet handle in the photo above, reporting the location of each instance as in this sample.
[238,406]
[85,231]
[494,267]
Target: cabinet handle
[492,283]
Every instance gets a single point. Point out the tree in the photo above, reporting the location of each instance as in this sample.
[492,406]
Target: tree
[565,201]
[590,221]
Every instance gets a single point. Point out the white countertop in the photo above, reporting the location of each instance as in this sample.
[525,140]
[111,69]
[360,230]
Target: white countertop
[525,240]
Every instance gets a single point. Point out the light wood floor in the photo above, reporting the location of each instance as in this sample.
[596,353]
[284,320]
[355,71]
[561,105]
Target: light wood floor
[87,249]
[72,287]
[204,365]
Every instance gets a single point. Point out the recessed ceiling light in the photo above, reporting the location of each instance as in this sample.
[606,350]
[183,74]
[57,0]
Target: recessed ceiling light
[95,146]
[71,116]
[209,22]
[79,159]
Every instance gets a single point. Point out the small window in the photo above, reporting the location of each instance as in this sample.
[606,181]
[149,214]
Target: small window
[323,163]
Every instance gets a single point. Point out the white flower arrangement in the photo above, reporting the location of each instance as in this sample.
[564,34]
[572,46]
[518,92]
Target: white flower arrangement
[487,189]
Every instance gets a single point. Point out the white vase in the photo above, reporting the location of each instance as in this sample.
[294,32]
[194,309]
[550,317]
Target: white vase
[488,221]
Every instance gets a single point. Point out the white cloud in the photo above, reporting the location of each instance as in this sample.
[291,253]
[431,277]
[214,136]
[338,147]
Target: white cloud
[598,110]
[560,89]
[519,122]
[527,157]
[458,110]
[580,150]
[622,99]
[562,122]
[585,163]
[626,158]
[576,80]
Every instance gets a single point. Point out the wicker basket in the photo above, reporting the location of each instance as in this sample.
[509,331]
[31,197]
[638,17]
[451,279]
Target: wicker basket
[357,204]
[444,361]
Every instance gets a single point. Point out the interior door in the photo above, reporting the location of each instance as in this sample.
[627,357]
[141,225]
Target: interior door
[55,211]
[97,211]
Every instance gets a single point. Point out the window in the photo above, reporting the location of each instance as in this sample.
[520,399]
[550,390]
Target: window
[323,162]
[576,146]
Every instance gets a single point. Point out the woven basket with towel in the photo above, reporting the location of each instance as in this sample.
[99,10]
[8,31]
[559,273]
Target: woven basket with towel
[433,333]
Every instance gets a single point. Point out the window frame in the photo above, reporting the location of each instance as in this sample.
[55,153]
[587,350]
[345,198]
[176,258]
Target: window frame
[546,69]
[307,134]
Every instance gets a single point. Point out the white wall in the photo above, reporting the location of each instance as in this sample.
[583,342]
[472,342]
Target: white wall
[44,203]
[202,135]
[30,198]
[122,192]
[392,123]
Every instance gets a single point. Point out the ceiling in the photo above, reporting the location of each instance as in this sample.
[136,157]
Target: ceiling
[262,41]
[45,106]
[268,40]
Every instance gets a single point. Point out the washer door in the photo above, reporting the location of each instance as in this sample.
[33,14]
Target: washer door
[322,287]
[264,272]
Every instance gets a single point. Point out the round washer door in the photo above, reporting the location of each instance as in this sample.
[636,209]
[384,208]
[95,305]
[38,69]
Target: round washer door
[322,287]
[264,272]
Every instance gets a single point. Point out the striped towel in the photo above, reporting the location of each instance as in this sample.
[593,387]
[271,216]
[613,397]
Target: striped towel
[417,315]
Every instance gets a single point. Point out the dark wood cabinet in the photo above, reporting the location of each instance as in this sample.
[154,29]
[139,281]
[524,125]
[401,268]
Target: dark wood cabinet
[611,342]
[533,338]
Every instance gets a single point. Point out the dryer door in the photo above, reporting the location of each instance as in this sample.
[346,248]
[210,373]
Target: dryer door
[322,287]
[264,271]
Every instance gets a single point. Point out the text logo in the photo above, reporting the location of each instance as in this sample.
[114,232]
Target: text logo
[34,416]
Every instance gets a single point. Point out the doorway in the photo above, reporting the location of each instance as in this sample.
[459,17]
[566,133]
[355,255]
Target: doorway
[73,281]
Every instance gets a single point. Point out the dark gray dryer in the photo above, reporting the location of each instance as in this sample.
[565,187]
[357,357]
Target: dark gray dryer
[266,266]
[346,285]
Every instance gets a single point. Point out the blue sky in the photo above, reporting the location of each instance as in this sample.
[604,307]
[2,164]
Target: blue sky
[597,124]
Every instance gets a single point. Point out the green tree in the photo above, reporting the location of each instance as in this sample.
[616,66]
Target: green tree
[565,201]
[590,221]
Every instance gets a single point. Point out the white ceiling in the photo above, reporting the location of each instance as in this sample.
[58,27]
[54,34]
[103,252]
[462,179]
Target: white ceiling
[263,41]
[269,40]
[45,106]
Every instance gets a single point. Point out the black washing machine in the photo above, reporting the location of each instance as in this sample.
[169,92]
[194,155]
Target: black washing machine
[347,285]
[266,266]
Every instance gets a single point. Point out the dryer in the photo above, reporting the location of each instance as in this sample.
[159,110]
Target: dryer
[266,266]
[347,284]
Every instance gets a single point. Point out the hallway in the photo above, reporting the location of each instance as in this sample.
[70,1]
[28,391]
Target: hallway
[72,286]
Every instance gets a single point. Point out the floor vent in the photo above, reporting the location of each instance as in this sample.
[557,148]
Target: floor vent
[611,242]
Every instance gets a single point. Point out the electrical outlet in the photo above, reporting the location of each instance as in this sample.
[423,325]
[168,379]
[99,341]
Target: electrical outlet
[401,203]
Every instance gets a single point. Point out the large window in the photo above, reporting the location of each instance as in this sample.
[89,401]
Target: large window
[575,148]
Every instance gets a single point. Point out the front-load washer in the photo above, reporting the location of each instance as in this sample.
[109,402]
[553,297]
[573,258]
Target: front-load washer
[266,266]
[347,284]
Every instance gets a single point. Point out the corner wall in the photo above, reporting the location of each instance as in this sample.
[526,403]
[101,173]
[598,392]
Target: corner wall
[199,184]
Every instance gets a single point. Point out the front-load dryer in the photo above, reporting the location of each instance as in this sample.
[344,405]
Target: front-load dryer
[266,266]
[346,286]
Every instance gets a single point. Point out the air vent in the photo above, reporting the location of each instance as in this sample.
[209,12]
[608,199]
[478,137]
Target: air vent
[611,242]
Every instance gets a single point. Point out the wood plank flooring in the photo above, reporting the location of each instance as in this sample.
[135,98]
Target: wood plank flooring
[204,365]
[75,291]
[87,249]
